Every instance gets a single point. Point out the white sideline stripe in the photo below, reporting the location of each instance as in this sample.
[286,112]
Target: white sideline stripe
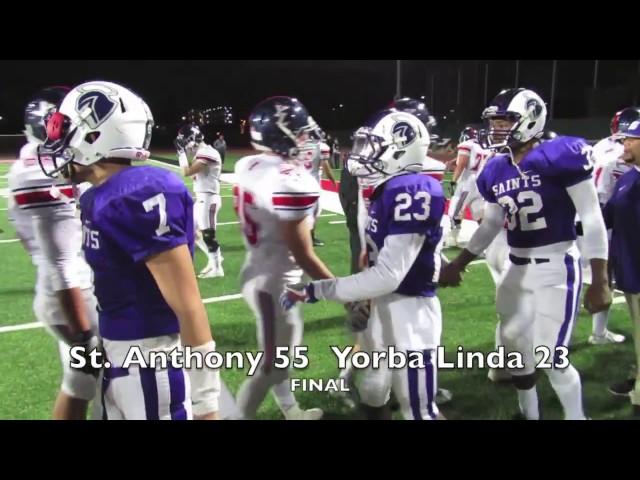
[336,222]
[24,326]
[29,326]
[11,240]
[3,209]
[223,298]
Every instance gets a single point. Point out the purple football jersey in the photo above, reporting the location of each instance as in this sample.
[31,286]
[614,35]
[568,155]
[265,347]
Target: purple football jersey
[622,215]
[537,207]
[136,213]
[410,203]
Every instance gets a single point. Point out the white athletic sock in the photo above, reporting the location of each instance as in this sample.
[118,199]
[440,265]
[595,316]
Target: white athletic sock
[566,384]
[283,395]
[600,321]
[347,372]
[528,401]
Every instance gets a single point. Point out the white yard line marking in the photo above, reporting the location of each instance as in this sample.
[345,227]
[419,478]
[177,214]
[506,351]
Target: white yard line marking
[223,298]
[24,326]
[29,326]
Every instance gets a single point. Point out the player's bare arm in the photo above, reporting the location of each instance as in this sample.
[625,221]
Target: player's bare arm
[195,167]
[297,236]
[326,168]
[173,272]
[461,164]
[493,220]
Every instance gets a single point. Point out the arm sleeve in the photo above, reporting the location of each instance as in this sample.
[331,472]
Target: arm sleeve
[394,262]
[585,199]
[492,222]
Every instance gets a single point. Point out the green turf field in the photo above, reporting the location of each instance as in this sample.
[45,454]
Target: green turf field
[30,370]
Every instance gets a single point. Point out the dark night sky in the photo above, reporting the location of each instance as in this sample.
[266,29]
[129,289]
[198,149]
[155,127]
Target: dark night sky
[171,87]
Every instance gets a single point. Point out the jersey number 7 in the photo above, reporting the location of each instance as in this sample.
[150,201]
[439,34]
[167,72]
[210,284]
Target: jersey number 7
[161,202]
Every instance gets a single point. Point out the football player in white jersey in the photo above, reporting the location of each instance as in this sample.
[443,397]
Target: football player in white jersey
[315,154]
[274,197]
[43,212]
[470,160]
[205,169]
[609,166]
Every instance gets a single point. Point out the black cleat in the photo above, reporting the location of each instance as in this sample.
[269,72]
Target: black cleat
[623,389]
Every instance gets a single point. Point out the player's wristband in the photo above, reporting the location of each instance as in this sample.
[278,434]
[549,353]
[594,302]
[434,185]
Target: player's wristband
[205,384]
[322,289]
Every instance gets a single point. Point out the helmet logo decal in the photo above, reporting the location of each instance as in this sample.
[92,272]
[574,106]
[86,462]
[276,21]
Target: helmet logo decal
[403,134]
[281,114]
[534,107]
[100,104]
[282,123]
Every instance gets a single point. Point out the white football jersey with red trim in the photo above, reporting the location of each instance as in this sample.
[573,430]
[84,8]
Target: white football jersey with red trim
[606,150]
[208,179]
[269,191]
[477,158]
[608,167]
[43,211]
[312,154]
[607,175]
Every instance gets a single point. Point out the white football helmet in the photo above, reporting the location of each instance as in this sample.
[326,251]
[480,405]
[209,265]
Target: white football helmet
[524,108]
[96,120]
[391,143]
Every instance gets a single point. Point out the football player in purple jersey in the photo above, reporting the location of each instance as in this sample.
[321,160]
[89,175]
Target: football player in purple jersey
[138,239]
[537,188]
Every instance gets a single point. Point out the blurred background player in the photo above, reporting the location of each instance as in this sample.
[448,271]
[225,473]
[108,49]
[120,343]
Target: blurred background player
[221,146]
[538,188]
[138,239]
[403,238]
[470,160]
[315,154]
[609,167]
[43,212]
[274,196]
[205,169]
